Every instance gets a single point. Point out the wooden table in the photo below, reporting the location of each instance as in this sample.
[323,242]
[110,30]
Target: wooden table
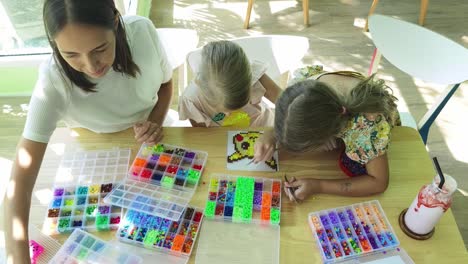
[410,168]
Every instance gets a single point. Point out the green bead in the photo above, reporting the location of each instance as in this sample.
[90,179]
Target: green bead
[102,222]
[210,209]
[82,254]
[193,176]
[167,182]
[91,210]
[158,148]
[274,215]
[151,238]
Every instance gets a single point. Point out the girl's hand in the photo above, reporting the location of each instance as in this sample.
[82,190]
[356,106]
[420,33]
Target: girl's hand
[264,147]
[301,189]
[148,132]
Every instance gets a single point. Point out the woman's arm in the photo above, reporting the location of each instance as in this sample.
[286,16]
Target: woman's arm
[272,89]
[376,181]
[151,130]
[159,111]
[28,160]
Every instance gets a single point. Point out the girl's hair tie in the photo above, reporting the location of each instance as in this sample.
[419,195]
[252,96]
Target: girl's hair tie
[343,110]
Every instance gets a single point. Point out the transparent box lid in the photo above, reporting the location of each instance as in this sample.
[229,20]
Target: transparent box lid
[161,181]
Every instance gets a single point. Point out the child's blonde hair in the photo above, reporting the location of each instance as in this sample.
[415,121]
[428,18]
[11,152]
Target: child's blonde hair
[309,113]
[225,76]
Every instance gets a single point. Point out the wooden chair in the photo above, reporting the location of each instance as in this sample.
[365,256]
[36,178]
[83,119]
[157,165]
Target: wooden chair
[422,12]
[305,8]
[423,54]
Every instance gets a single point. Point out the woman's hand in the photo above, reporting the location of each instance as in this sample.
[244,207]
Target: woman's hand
[148,132]
[264,147]
[298,190]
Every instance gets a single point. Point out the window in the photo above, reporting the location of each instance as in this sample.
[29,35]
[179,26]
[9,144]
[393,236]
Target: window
[21,28]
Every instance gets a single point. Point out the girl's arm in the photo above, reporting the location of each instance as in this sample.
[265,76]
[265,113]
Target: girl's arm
[376,181]
[195,124]
[28,160]
[151,130]
[272,89]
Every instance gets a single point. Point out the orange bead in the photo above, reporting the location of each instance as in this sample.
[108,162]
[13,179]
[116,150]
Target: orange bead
[178,243]
[265,214]
[139,162]
[266,199]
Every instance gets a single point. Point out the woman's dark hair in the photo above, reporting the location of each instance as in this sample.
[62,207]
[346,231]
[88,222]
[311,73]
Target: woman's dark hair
[102,13]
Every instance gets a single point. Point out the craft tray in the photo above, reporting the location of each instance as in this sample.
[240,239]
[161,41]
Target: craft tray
[352,231]
[172,237]
[82,247]
[166,195]
[244,199]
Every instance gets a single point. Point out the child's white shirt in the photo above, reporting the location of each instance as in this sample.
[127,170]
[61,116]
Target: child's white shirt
[120,100]
[193,105]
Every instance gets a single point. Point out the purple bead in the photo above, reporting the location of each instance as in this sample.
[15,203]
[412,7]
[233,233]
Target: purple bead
[190,155]
[258,186]
[372,241]
[258,198]
[350,215]
[324,220]
[104,209]
[58,192]
[342,217]
[333,217]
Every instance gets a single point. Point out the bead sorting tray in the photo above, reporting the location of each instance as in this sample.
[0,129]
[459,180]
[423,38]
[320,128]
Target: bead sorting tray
[83,179]
[244,199]
[172,237]
[352,231]
[81,207]
[169,166]
[161,181]
[88,167]
[82,247]
[150,199]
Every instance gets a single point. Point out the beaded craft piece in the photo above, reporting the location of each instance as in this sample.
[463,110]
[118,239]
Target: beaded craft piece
[240,152]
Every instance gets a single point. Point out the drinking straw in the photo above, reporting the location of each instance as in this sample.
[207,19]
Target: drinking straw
[439,171]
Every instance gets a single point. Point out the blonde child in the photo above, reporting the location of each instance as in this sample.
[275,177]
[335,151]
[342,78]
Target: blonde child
[345,110]
[228,90]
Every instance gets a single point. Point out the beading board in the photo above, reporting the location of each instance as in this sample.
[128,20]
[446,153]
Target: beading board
[240,152]
[172,237]
[244,199]
[82,247]
[352,231]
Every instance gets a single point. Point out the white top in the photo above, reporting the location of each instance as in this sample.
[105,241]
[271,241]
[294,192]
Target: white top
[193,105]
[119,102]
